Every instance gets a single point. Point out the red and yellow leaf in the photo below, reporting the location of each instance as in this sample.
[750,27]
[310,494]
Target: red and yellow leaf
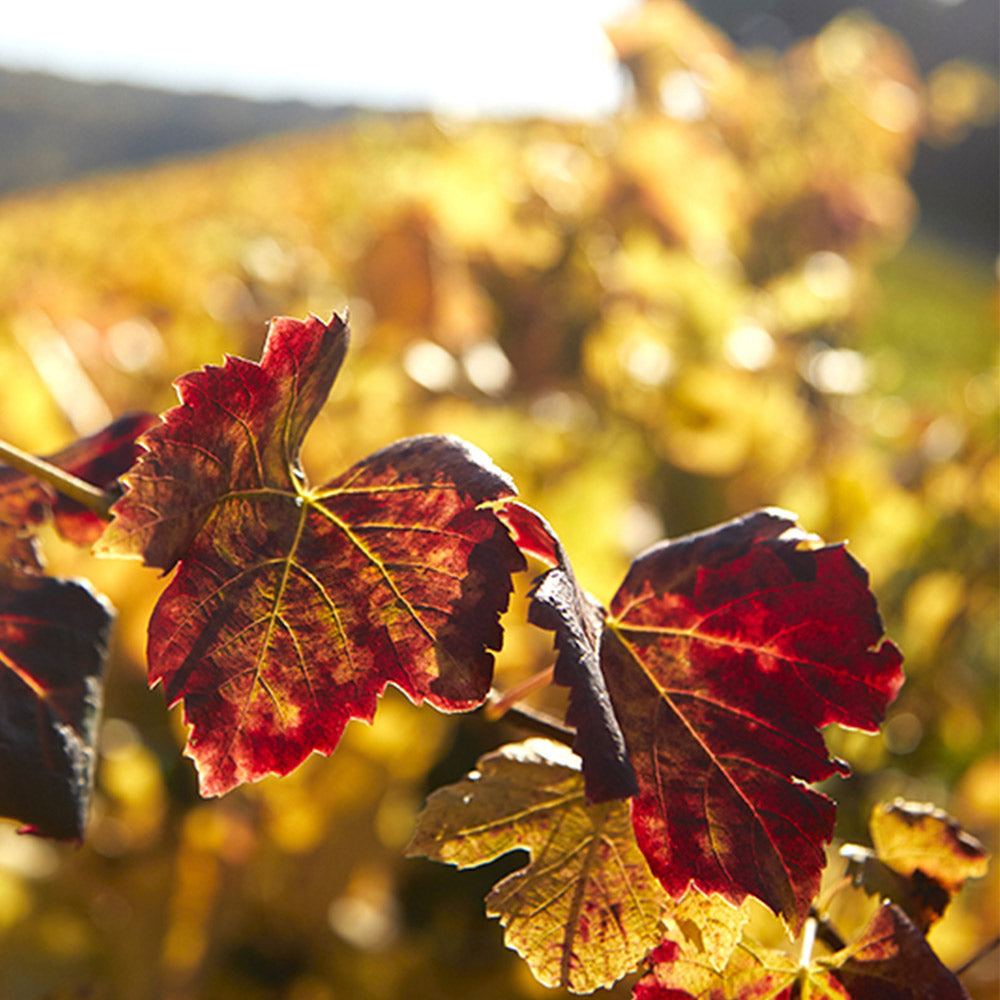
[680,970]
[893,961]
[890,961]
[725,652]
[293,606]
[53,646]
[585,909]
[922,857]
[911,836]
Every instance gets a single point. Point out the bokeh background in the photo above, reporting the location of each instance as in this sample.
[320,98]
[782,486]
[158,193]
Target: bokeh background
[725,293]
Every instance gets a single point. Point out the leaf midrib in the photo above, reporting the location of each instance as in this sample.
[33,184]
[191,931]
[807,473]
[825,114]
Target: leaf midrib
[612,627]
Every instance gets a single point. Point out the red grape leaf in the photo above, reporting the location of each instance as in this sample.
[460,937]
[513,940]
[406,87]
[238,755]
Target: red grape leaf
[724,653]
[585,909]
[53,645]
[237,431]
[293,607]
[891,961]
[922,857]
[26,502]
[560,604]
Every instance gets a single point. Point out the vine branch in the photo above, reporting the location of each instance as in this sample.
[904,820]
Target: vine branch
[534,721]
[982,953]
[92,497]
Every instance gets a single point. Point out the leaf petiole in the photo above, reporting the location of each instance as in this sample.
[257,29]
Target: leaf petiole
[982,953]
[498,705]
[823,903]
[537,722]
[808,942]
[826,932]
[92,497]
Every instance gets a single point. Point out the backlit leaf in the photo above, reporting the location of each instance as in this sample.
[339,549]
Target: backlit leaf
[680,970]
[890,961]
[922,857]
[559,603]
[912,835]
[711,924]
[293,607]
[585,909]
[893,961]
[53,645]
[238,429]
[724,653]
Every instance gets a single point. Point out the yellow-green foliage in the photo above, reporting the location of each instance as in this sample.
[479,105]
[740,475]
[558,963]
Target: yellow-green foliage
[652,321]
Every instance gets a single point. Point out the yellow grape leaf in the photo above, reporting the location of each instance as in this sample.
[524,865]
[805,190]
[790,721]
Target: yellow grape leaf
[921,859]
[891,960]
[912,835]
[711,923]
[585,909]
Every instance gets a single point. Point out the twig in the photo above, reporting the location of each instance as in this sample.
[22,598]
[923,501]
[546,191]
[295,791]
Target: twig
[540,723]
[982,953]
[808,940]
[826,932]
[499,705]
[92,497]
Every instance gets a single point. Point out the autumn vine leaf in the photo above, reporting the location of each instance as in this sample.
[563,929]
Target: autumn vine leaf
[890,961]
[893,961]
[586,909]
[53,647]
[53,633]
[293,606]
[560,604]
[724,653]
[712,924]
[914,835]
[921,858]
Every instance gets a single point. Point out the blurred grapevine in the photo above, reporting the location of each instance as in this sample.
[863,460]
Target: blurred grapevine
[703,304]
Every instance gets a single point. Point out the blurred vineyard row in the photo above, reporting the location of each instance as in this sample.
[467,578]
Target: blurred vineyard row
[654,322]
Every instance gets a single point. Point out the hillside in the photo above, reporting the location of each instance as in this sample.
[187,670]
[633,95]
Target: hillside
[55,129]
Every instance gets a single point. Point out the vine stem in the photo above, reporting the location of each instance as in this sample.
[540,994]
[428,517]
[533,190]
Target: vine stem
[532,719]
[826,932]
[500,704]
[808,942]
[982,953]
[92,497]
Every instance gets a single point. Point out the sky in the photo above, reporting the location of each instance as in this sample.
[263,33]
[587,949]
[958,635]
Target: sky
[463,56]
